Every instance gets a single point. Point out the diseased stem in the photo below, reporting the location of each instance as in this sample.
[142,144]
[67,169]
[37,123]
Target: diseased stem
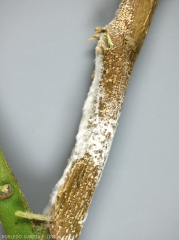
[117,50]
[11,200]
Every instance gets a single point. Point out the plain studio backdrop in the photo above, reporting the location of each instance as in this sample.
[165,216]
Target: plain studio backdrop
[45,75]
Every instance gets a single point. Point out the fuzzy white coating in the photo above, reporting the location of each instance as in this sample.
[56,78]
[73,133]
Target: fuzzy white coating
[95,140]
[83,134]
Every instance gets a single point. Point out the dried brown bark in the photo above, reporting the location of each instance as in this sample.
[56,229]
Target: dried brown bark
[127,32]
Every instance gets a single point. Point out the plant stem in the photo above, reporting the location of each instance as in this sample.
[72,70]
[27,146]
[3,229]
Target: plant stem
[15,201]
[117,50]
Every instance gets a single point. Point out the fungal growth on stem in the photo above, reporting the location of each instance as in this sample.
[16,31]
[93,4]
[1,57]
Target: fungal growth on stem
[117,49]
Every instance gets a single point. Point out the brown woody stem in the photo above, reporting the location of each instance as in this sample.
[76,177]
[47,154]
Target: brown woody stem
[117,51]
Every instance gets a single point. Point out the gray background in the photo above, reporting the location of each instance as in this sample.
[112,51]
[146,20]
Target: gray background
[45,69]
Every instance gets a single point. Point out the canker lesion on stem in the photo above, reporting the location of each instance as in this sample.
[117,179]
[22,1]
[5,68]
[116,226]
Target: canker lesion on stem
[118,46]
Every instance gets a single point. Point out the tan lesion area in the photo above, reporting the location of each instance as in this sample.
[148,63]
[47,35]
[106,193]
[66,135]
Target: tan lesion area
[74,197]
[119,44]
[127,33]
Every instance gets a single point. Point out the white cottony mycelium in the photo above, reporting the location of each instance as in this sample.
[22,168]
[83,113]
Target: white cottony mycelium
[117,50]
[95,140]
